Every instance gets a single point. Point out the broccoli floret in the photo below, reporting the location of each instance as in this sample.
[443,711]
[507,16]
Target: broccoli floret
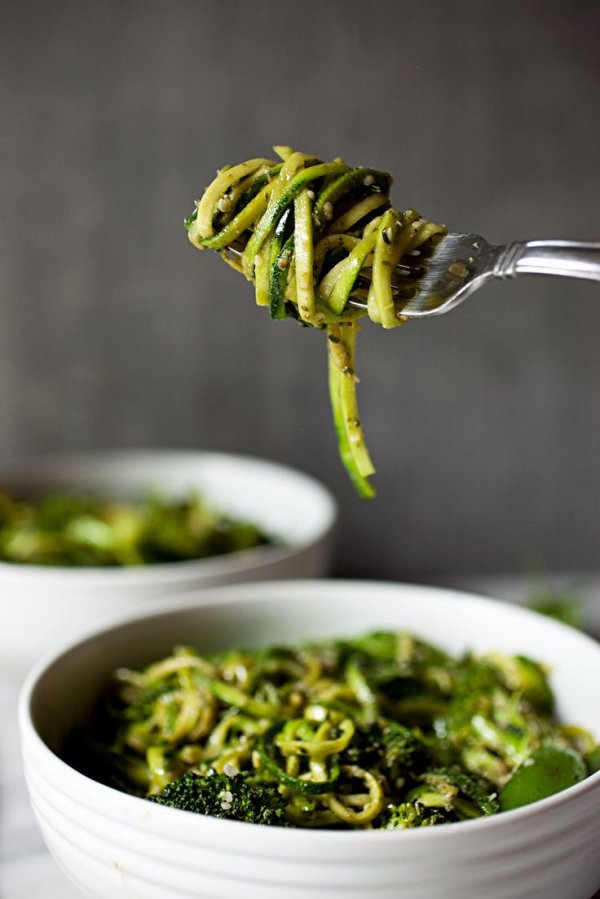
[388,746]
[495,727]
[401,747]
[379,646]
[409,814]
[221,796]
[455,790]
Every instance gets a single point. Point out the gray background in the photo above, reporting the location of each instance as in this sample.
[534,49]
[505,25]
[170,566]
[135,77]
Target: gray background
[484,425]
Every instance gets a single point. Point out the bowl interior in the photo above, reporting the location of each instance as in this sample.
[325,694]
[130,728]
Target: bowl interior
[260,614]
[287,504]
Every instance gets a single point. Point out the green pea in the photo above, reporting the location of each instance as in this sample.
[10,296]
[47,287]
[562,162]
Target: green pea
[548,770]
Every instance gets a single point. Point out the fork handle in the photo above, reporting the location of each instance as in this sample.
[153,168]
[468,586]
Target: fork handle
[569,258]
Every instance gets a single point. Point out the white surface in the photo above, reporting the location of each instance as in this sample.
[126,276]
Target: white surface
[26,869]
[370,857]
[43,606]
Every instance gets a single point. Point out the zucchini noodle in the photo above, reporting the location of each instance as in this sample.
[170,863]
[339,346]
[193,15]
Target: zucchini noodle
[312,235]
[382,731]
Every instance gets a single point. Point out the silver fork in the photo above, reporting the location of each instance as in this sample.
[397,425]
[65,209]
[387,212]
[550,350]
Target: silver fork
[462,263]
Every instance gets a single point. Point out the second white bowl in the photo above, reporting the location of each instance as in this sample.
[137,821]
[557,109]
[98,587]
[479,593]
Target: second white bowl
[42,605]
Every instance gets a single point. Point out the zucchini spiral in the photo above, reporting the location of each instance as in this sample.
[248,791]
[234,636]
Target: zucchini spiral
[378,731]
[316,235]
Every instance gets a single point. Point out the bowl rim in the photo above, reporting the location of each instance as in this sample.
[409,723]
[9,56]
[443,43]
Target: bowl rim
[197,824]
[211,566]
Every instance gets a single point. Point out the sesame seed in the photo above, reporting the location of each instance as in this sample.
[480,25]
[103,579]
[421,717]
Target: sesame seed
[228,796]
[229,769]
[328,211]
[283,262]
[458,269]
[226,806]
[368,180]
[241,673]
[224,204]
[317,713]
[310,194]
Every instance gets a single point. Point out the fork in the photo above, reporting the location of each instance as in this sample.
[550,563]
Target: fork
[460,264]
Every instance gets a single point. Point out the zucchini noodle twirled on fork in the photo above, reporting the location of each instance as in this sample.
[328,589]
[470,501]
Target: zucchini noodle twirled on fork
[314,236]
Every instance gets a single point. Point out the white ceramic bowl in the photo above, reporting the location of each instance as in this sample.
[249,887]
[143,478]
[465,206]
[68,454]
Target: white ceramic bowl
[42,606]
[119,846]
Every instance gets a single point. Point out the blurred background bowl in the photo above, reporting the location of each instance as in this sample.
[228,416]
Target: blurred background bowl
[43,605]
[115,845]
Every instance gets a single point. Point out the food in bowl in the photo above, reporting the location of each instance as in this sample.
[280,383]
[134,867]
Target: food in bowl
[81,530]
[321,242]
[115,845]
[380,731]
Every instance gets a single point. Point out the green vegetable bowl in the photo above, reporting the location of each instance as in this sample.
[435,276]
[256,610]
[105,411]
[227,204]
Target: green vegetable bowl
[85,537]
[535,837]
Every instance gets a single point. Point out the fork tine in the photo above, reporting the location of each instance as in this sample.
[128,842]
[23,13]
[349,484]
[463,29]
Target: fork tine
[454,269]
[432,284]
